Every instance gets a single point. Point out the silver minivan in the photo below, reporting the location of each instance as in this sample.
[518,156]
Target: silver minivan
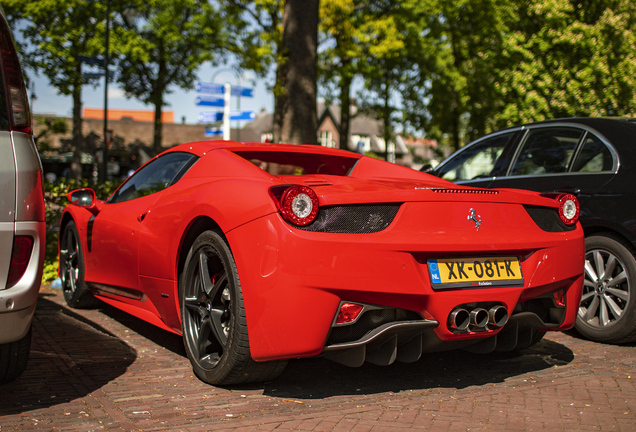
[22,225]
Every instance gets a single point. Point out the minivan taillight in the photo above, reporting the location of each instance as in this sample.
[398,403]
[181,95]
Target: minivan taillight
[16,93]
[20,257]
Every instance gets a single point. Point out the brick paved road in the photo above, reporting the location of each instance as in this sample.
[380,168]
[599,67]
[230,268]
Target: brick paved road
[105,370]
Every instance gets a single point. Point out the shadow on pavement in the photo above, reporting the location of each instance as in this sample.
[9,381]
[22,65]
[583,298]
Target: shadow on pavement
[71,357]
[170,341]
[319,378]
[315,378]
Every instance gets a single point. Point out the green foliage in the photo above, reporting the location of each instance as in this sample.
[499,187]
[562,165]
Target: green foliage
[569,58]
[58,32]
[256,28]
[457,57]
[373,155]
[166,41]
[50,126]
[55,199]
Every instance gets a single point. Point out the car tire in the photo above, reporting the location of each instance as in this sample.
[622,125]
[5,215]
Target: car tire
[14,357]
[607,312]
[76,292]
[213,317]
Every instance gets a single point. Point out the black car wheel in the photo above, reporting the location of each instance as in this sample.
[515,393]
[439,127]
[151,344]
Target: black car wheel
[14,357]
[606,312]
[76,292]
[213,317]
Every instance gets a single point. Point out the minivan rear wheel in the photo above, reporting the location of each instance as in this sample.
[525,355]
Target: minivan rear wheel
[14,357]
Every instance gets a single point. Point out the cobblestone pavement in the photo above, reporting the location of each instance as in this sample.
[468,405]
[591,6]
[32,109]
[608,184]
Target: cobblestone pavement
[105,370]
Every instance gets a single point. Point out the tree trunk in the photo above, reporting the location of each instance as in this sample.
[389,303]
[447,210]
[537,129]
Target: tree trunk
[78,147]
[345,113]
[300,42]
[158,127]
[386,115]
[280,101]
[455,122]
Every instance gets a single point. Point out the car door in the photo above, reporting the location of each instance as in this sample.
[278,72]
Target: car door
[561,158]
[113,235]
[480,162]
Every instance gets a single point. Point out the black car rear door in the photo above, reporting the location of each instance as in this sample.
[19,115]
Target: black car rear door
[560,159]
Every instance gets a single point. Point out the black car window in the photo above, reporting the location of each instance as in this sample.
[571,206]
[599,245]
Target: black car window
[593,157]
[476,161]
[546,151]
[154,177]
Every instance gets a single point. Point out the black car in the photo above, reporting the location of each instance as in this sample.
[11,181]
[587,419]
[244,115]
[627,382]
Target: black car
[595,159]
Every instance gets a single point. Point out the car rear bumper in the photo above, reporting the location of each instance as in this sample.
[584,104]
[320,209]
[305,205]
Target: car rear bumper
[293,281]
[17,304]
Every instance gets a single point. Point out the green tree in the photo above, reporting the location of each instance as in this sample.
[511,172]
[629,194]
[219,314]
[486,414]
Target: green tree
[389,39]
[167,41]
[340,60]
[459,56]
[281,34]
[256,26]
[58,33]
[569,58]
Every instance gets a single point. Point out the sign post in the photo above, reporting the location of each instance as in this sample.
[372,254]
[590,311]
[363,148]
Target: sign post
[226,112]
[228,91]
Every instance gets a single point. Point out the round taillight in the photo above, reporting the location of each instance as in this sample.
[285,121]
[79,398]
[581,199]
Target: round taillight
[569,208]
[299,205]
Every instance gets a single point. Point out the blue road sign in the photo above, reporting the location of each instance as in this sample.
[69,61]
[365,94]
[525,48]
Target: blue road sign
[210,101]
[210,116]
[92,75]
[96,61]
[242,115]
[242,91]
[213,131]
[212,88]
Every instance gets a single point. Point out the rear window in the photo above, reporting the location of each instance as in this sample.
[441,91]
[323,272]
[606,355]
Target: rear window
[4,45]
[292,163]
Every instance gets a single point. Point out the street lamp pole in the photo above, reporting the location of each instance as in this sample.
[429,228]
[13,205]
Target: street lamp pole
[106,137]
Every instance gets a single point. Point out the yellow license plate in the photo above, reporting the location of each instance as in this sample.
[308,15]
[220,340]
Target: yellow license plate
[475,272]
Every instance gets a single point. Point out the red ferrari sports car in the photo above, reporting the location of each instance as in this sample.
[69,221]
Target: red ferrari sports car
[258,253]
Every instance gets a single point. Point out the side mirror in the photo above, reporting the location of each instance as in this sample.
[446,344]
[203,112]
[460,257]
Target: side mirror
[427,168]
[85,198]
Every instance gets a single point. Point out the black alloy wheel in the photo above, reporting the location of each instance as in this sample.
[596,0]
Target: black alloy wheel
[213,316]
[606,312]
[76,292]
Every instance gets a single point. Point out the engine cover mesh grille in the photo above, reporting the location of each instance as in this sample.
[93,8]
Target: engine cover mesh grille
[353,219]
[548,219]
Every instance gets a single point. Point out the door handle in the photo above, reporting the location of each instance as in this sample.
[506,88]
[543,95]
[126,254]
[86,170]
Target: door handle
[141,217]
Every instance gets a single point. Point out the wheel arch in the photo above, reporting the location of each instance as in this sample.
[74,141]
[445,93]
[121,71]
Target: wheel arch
[194,229]
[610,232]
[64,220]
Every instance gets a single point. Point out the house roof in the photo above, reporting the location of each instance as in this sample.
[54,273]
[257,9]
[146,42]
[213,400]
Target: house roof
[361,124]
